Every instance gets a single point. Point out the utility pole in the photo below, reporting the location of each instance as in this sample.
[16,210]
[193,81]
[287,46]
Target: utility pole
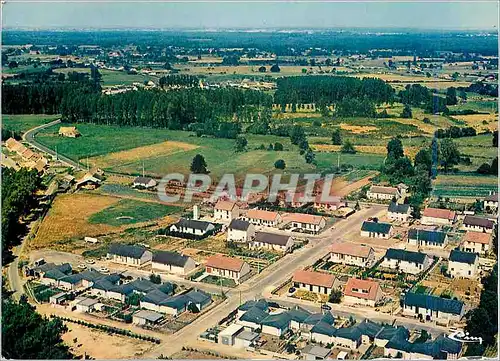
[143,169]
[56,153]
[338,160]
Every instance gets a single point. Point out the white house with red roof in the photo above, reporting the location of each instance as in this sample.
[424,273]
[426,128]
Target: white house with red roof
[263,218]
[364,292]
[438,217]
[352,254]
[226,210]
[476,242]
[305,222]
[313,281]
[329,205]
[227,267]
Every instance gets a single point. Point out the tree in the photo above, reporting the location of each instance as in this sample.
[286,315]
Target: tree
[13,64]
[309,156]
[484,169]
[348,147]
[495,138]
[240,144]
[28,335]
[335,296]
[275,68]
[155,278]
[193,308]
[424,158]
[278,147]
[395,148]
[451,96]
[198,165]
[298,136]
[336,137]
[280,164]
[262,69]
[449,155]
[406,112]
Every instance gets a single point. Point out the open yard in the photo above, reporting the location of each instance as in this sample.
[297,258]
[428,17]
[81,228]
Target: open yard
[20,123]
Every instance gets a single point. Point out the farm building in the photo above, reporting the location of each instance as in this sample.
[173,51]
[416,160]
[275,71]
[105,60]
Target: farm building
[362,292]
[129,255]
[427,238]
[406,261]
[146,318]
[376,230]
[478,224]
[70,132]
[476,242]
[272,241]
[306,222]
[463,264]
[352,254]
[228,267]
[438,217]
[191,227]
[144,183]
[89,181]
[172,262]
[226,210]
[433,308]
[491,202]
[383,193]
[263,218]
[398,212]
[240,231]
[312,281]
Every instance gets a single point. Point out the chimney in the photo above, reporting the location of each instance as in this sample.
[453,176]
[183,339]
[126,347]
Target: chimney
[196,212]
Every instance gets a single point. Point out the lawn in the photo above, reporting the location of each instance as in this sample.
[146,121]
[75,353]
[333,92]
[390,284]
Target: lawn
[128,211]
[20,123]
[220,281]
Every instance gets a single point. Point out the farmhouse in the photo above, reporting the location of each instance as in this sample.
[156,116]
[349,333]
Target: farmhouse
[240,231]
[405,261]
[226,210]
[490,202]
[129,255]
[227,267]
[313,281]
[433,308]
[478,224]
[398,212]
[89,181]
[332,205]
[276,324]
[438,217]
[463,264]
[191,227]
[362,292]
[383,193]
[146,318]
[272,241]
[70,132]
[376,230]
[263,218]
[427,238]
[144,183]
[306,222]
[172,262]
[476,242]
[13,145]
[352,254]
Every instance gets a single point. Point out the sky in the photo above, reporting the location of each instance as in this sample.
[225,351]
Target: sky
[250,14]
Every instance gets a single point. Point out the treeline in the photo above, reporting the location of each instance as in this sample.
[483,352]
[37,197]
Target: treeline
[483,89]
[178,80]
[455,132]
[331,90]
[420,96]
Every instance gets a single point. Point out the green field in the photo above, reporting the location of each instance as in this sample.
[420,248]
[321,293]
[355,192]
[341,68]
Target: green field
[358,160]
[128,211]
[464,186]
[23,122]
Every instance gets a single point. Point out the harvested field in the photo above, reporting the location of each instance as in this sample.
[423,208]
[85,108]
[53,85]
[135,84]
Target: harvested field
[372,149]
[477,121]
[341,186]
[357,129]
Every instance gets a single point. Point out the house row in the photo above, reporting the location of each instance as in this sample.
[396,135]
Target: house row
[162,302]
[33,160]
[296,221]
[432,308]
[242,231]
[427,238]
[478,224]
[438,217]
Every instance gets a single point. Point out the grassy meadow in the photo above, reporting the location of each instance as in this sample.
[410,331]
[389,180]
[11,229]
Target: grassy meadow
[24,122]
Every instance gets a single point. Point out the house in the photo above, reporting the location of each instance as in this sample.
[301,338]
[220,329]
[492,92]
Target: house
[476,242]
[174,305]
[191,227]
[252,318]
[331,205]
[70,132]
[144,183]
[13,145]
[172,262]
[348,337]
[438,217]
[227,267]
[352,254]
[240,231]
[490,202]
[432,308]
[298,315]
[86,304]
[441,348]
[406,261]
[263,218]
[71,282]
[369,331]
[226,210]
[228,335]
[388,333]
[272,241]
[315,352]
[58,298]
[427,238]
[383,193]
[88,181]
[153,300]
[478,224]
[398,212]
[198,298]
[362,292]
[376,230]
[306,222]
[50,273]
[317,318]
[313,281]
[245,339]
[260,304]
[323,332]
[146,318]
[276,324]
[463,264]
[129,255]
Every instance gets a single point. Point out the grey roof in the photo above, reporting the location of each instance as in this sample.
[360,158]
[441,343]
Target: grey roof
[113,277]
[194,224]
[438,348]
[399,342]
[427,236]
[316,351]
[398,208]
[239,224]
[166,287]
[350,333]
[105,285]
[463,257]
[280,320]
[369,328]
[254,315]
[64,268]
[148,315]
[127,250]
[478,221]
[54,274]
[73,279]
[142,180]
[376,227]
[434,303]
[272,238]
[170,258]
[261,304]
[388,332]
[142,285]
[88,302]
[125,289]
[177,302]
[404,255]
[248,335]
[299,314]
[155,297]
[324,328]
[326,317]
[198,297]
[91,275]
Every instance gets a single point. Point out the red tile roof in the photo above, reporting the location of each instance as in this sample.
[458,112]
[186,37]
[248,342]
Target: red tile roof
[370,289]
[225,205]
[314,278]
[226,263]
[383,190]
[439,213]
[302,218]
[352,249]
[263,215]
[477,237]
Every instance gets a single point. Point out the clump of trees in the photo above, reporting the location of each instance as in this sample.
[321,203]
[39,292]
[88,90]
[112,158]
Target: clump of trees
[486,168]
[199,165]
[455,132]
[336,137]
[280,164]
[348,147]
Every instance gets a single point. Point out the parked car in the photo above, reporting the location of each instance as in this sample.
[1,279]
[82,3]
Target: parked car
[291,290]
[326,307]
[103,270]
[90,261]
